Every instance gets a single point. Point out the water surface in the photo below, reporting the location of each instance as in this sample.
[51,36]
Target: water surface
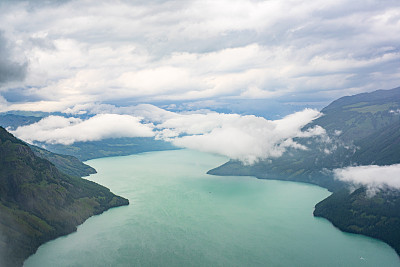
[180,216]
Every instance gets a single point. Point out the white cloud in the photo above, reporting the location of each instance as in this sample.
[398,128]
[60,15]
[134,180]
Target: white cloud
[338,132]
[148,112]
[372,176]
[56,129]
[245,138]
[105,51]
[395,112]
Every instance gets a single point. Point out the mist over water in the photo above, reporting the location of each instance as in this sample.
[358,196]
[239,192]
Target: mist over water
[179,216]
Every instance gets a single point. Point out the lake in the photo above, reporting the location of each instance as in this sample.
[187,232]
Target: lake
[180,216]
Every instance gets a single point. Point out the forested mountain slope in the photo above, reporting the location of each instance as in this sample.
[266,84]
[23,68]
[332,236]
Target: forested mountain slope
[67,164]
[39,203]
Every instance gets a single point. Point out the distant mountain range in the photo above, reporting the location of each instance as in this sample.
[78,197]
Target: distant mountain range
[110,147]
[363,129]
[38,202]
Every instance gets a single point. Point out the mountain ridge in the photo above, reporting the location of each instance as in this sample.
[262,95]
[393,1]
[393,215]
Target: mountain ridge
[39,203]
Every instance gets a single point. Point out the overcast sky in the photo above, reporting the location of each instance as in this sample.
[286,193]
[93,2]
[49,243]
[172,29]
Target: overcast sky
[55,56]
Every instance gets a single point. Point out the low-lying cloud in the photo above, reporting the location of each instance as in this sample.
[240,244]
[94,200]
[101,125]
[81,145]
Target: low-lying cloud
[61,130]
[246,138]
[372,176]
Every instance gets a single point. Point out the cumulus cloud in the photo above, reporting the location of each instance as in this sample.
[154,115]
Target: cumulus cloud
[372,176]
[245,138]
[148,112]
[61,130]
[105,51]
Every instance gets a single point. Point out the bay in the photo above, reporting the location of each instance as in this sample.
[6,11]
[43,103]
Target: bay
[180,216]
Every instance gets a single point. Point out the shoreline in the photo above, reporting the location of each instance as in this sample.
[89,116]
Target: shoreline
[210,172]
[76,228]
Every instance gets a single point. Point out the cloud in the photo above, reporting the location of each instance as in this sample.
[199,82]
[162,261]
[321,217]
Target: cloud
[107,51]
[372,176]
[57,129]
[245,138]
[394,112]
[148,112]
[10,68]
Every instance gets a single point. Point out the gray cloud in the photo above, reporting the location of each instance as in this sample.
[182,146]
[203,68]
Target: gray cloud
[108,51]
[10,70]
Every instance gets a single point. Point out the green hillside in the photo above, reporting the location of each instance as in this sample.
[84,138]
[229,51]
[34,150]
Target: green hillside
[377,216]
[381,147]
[39,203]
[67,164]
[360,115]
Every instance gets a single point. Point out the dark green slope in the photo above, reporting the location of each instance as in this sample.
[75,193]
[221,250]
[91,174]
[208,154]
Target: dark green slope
[39,203]
[377,216]
[67,164]
[363,129]
[360,115]
[380,148]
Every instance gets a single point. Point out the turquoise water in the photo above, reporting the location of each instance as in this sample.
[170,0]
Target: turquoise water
[179,216]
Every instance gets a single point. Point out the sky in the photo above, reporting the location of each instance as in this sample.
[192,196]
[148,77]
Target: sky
[237,78]
[59,54]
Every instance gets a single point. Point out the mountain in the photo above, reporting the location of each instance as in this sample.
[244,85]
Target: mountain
[110,147]
[363,129]
[359,116]
[39,203]
[13,120]
[376,216]
[381,147]
[67,164]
